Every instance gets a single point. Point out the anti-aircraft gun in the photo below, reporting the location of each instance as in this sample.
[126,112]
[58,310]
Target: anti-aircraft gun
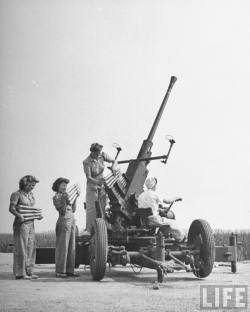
[124,236]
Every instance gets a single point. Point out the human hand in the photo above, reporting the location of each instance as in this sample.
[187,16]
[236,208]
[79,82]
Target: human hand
[114,168]
[65,196]
[74,202]
[20,218]
[101,181]
[78,193]
[40,218]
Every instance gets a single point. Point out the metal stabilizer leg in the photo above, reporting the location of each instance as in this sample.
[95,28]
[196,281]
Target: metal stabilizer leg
[183,265]
[160,274]
[150,263]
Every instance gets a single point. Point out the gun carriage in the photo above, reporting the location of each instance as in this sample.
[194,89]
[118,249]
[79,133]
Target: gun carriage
[125,236]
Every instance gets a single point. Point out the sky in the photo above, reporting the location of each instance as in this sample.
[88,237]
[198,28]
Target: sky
[77,72]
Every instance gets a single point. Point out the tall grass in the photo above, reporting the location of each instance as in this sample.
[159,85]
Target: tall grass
[242,238]
[5,242]
[46,239]
[43,239]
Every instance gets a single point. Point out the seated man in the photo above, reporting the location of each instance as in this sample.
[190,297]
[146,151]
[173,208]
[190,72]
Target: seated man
[150,199]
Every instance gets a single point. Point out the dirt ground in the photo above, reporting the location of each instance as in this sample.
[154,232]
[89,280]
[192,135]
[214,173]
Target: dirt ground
[120,290]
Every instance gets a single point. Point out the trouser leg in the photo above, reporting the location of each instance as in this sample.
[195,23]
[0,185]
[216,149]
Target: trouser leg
[103,201]
[91,198]
[71,250]
[177,234]
[62,242]
[173,229]
[90,215]
[100,196]
[20,239]
[31,250]
[176,230]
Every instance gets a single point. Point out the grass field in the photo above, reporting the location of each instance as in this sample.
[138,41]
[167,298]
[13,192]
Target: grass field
[47,239]
[243,242]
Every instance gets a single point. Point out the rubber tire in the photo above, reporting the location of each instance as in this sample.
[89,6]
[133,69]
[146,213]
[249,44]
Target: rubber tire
[98,250]
[207,247]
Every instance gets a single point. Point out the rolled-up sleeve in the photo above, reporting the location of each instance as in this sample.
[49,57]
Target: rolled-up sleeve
[158,199]
[14,198]
[86,167]
[107,158]
[60,203]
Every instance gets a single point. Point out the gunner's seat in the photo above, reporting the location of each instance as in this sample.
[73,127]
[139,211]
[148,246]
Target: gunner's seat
[143,214]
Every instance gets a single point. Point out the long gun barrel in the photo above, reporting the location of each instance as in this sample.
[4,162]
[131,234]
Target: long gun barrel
[137,170]
[160,112]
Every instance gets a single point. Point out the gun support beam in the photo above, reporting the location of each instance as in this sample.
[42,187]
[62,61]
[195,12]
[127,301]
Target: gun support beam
[148,159]
[170,147]
[142,159]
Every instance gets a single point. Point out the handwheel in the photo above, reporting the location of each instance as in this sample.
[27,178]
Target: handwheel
[98,249]
[200,235]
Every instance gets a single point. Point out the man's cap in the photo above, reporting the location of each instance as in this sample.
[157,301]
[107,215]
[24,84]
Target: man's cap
[151,182]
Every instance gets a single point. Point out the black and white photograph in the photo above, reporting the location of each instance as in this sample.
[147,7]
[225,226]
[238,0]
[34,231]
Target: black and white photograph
[125,155]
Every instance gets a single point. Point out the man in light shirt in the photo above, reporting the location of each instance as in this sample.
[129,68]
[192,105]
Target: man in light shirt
[150,199]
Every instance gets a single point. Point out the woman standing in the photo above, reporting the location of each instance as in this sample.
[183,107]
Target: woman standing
[24,231]
[94,167]
[65,230]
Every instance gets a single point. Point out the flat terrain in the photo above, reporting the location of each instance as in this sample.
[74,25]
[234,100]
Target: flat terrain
[120,290]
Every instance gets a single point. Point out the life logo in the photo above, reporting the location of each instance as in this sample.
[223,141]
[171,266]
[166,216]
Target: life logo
[213,297]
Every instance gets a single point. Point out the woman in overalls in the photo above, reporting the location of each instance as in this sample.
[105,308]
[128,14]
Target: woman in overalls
[24,231]
[65,230]
[94,167]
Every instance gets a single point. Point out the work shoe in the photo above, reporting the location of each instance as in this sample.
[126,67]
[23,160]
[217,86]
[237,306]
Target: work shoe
[170,270]
[188,268]
[33,276]
[86,233]
[25,277]
[61,275]
[72,274]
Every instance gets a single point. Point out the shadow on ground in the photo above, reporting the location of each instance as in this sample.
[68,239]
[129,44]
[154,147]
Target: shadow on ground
[115,275]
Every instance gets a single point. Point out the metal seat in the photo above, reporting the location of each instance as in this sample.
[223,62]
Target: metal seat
[143,214]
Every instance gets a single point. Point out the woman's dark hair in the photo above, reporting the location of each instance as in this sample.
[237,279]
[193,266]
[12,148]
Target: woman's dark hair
[57,183]
[27,179]
[95,147]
